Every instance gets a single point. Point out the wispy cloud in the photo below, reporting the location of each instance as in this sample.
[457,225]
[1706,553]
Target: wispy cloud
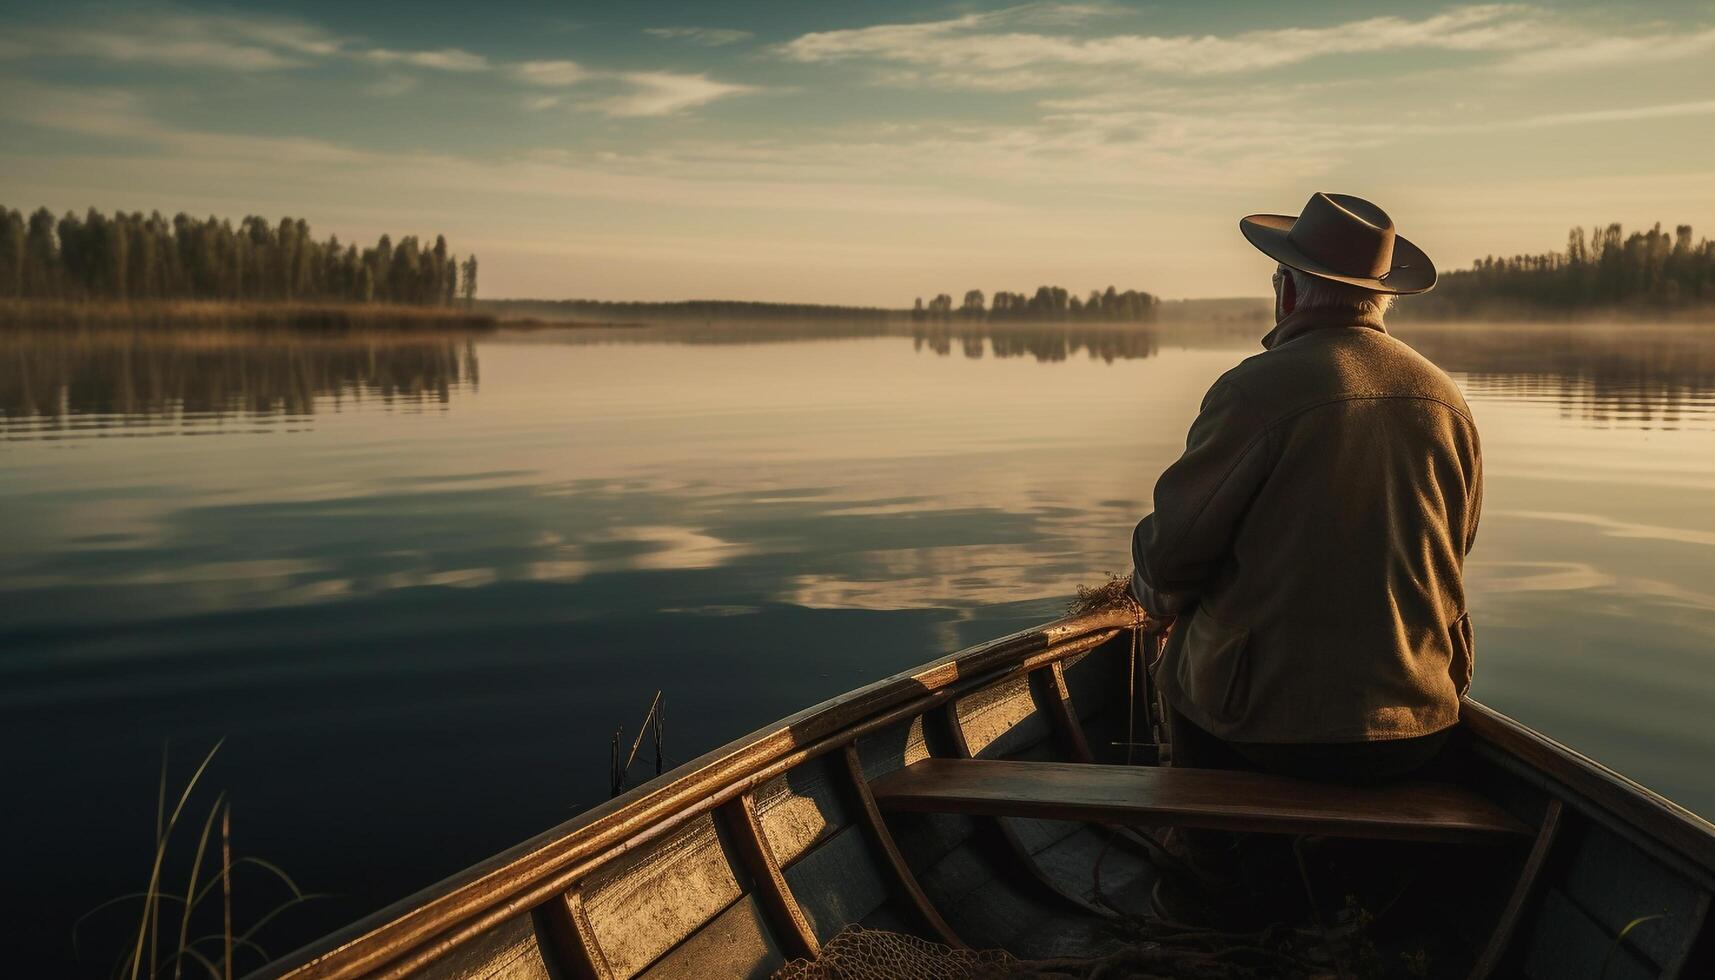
[551,73]
[229,42]
[959,49]
[390,86]
[661,93]
[713,37]
[1585,54]
[445,59]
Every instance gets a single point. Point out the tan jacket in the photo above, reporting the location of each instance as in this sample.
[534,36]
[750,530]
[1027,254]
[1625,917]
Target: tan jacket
[1313,537]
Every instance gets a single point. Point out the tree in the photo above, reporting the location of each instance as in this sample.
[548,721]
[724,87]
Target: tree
[467,288]
[973,306]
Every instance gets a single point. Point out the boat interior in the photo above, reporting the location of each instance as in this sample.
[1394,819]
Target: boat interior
[1002,798]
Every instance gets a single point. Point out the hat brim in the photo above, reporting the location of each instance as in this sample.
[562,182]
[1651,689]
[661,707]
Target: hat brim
[1412,271]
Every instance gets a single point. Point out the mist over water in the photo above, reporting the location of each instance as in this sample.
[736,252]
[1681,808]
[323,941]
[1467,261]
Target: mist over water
[417,580]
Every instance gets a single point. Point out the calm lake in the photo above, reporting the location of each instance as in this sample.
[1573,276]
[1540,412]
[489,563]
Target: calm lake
[416,582]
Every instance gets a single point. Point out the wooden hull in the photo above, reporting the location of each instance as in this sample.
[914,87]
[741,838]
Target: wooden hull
[764,849]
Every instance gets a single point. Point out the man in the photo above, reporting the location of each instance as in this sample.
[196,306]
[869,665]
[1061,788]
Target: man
[1310,541]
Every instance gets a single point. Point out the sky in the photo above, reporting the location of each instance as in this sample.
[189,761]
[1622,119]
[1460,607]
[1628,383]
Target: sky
[865,153]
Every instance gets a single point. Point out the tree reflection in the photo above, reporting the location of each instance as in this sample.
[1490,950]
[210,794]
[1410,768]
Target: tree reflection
[1044,342]
[53,375]
[1635,376]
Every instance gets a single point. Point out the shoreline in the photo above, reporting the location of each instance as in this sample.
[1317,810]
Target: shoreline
[61,314]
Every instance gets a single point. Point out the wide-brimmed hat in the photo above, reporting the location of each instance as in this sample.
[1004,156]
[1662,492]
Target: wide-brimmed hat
[1343,239]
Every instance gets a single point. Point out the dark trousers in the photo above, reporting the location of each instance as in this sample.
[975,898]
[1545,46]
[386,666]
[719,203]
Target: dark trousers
[1212,856]
[1328,762]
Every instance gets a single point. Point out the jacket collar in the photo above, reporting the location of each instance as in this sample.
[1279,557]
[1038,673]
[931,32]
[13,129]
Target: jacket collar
[1301,322]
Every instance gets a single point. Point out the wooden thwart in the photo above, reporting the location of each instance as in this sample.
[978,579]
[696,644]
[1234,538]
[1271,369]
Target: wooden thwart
[1208,798]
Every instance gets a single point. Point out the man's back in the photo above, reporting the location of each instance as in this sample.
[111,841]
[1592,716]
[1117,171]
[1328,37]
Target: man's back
[1319,522]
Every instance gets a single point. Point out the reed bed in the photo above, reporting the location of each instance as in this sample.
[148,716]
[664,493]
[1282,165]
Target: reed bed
[207,937]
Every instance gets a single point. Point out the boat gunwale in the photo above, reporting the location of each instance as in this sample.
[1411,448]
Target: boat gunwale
[428,923]
[420,928]
[1627,806]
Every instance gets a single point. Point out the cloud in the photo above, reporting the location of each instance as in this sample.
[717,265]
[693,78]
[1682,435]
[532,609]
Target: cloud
[1600,52]
[967,51]
[661,93]
[536,103]
[189,50]
[393,85]
[550,73]
[713,37]
[446,59]
[229,42]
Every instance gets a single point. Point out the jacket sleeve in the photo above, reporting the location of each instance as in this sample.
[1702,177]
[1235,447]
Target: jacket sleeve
[1199,502]
[1476,501]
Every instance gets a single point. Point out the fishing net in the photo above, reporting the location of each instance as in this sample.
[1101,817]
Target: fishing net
[1276,953]
[857,953]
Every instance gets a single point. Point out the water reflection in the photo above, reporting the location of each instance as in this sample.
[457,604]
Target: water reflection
[1044,342]
[57,383]
[1624,376]
[436,618]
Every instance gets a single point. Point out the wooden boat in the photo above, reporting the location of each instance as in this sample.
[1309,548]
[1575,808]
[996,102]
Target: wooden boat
[868,809]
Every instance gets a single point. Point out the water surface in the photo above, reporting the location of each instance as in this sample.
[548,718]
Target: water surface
[417,581]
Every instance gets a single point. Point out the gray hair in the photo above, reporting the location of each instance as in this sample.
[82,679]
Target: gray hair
[1325,294]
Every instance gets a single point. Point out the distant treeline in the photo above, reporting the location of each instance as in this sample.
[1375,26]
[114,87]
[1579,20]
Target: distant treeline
[138,257]
[1048,303]
[606,311]
[1604,270]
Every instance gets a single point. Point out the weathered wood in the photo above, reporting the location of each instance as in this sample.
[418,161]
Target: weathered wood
[1014,831]
[654,897]
[1208,798]
[509,951]
[734,944]
[882,838]
[745,833]
[840,882]
[1562,942]
[1699,939]
[1524,890]
[1053,692]
[400,939]
[570,942]
[1650,814]
[802,808]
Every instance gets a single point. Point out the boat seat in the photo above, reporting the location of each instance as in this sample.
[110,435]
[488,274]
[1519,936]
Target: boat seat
[1214,799]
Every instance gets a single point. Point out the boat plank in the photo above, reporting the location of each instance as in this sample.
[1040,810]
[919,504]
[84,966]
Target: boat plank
[1564,943]
[801,808]
[999,721]
[736,943]
[650,900]
[838,883]
[570,944]
[767,883]
[1214,799]
[508,951]
[1057,698]
[903,877]
[1616,884]
[1524,890]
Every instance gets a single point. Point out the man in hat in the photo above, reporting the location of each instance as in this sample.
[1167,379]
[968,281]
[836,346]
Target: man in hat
[1310,541]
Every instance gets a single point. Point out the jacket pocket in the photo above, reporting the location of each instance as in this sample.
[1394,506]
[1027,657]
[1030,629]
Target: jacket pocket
[1460,639]
[1213,669]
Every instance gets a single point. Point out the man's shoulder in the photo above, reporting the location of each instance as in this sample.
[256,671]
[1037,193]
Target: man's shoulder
[1337,365]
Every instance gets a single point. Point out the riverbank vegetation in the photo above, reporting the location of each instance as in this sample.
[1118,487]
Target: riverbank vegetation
[139,258]
[1602,272]
[1048,303]
[612,312]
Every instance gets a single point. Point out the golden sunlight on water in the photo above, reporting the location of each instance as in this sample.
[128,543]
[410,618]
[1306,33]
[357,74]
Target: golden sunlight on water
[327,549]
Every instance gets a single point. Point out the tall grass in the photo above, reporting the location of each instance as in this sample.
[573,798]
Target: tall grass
[212,953]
